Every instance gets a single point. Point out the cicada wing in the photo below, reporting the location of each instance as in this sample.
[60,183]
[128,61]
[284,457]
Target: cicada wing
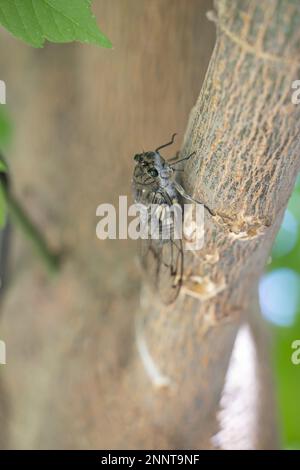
[162,258]
[170,271]
[150,247]
[150,254]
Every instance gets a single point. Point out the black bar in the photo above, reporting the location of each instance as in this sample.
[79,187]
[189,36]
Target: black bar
[138,458]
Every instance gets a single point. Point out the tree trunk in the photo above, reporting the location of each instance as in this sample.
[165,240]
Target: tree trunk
[244,130]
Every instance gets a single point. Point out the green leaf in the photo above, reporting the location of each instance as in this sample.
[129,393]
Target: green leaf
[35,21]
[5,128]
[2,207]
[3,166]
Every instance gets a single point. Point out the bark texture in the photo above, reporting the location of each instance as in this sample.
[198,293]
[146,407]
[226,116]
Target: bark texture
[244,130]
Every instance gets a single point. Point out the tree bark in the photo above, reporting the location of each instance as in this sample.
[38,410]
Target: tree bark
[244,130]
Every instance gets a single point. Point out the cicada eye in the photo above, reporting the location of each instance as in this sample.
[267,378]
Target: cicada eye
[153,172]
[137,157]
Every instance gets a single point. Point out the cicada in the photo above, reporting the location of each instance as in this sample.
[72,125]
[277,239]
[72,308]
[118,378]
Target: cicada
[155,187]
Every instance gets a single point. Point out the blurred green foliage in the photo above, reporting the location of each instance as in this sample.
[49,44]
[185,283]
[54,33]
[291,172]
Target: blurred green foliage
[5,128]
[287,374]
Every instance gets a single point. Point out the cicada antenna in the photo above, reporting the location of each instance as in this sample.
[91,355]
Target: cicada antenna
[183,159]
[167,144]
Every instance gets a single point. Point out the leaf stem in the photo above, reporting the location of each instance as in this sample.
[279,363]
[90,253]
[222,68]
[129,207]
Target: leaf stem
[51,260]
